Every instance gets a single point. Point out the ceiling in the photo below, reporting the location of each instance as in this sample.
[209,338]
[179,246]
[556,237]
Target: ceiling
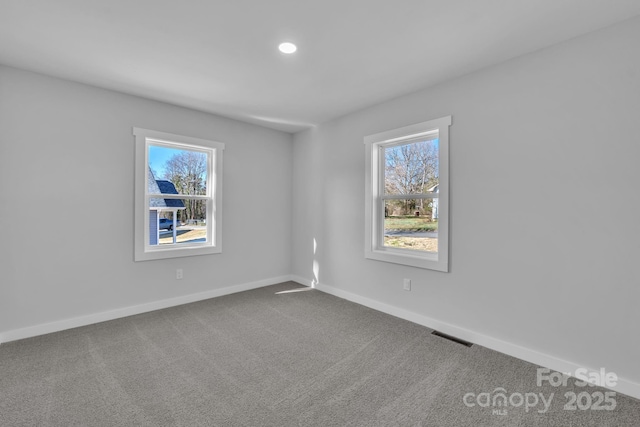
[221,56]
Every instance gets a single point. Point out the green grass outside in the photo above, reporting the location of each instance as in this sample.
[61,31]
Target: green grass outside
[410,223]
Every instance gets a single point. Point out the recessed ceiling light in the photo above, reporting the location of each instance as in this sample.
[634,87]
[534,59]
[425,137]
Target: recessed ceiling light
[287,47]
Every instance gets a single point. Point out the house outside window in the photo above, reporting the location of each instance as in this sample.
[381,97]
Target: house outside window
[163,213]
[178,195]
[407,195]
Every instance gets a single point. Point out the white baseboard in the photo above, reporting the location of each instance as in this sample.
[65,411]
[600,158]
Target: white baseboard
[623,386]
[301,280]
[75,322]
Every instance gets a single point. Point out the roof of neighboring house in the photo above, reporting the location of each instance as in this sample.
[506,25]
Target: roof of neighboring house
[167,187]
[163,187]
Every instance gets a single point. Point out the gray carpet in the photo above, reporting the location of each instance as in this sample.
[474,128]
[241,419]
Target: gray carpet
[264,358]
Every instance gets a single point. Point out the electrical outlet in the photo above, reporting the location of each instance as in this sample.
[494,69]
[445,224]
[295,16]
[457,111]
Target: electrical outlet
[179,274]
[407,284]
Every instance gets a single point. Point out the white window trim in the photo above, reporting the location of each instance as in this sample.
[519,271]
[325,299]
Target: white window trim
[374,211]
[145,252]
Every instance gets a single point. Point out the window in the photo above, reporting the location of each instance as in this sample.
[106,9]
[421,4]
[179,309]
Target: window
[178,195]
[407,195]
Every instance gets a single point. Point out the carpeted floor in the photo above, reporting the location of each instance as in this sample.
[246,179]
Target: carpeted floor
[280,356]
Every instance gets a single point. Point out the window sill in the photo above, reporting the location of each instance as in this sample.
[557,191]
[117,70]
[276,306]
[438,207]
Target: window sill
[174,252]
[407,257]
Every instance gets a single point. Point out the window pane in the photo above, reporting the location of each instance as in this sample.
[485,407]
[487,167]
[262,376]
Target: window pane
[190,222]
[411,224]
[411,168]
[177,170]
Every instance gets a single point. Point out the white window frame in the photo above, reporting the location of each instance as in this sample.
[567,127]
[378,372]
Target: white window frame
[213,245]
[375,198]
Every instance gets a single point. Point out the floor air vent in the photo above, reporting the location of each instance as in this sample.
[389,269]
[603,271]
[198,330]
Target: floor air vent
[450,338]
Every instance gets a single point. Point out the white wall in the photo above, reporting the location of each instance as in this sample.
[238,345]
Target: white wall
[537,262]
[66,209]
[540,268]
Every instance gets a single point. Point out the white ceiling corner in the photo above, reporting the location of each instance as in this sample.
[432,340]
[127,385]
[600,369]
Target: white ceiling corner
[222,56]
